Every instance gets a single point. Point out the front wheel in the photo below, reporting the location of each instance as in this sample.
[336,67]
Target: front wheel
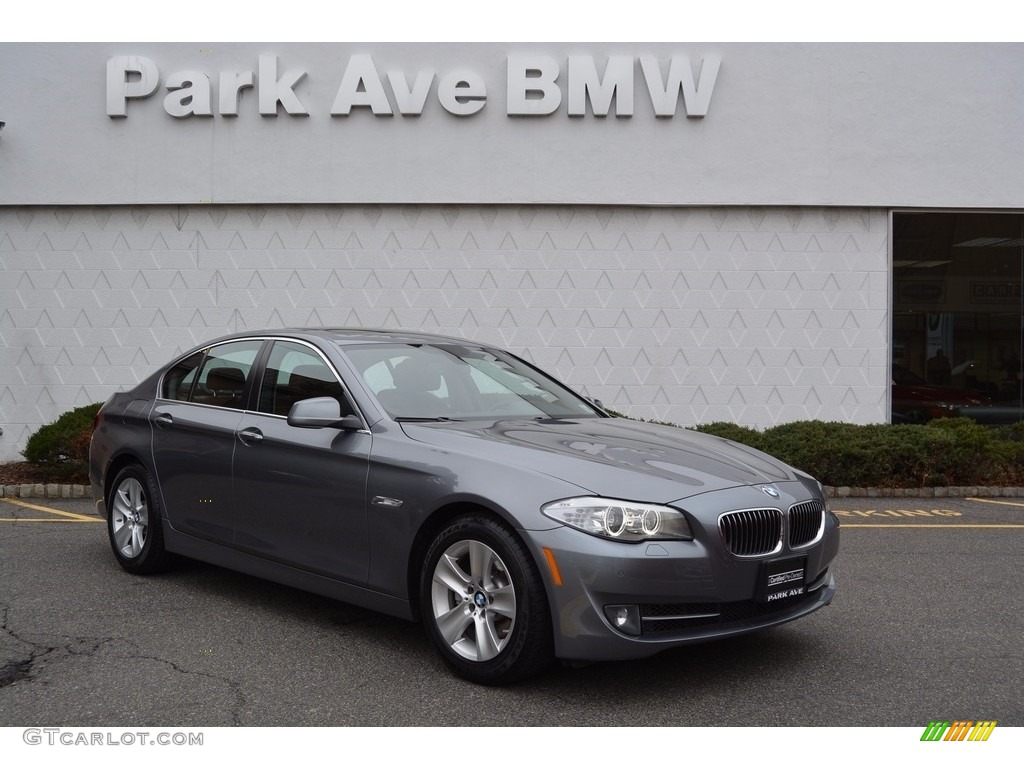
[134,522]
[483,603]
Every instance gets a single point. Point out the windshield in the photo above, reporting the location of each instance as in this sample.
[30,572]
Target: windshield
[455,381]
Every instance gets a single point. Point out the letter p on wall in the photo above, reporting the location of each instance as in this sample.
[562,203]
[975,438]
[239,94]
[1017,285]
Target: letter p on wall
[129,77]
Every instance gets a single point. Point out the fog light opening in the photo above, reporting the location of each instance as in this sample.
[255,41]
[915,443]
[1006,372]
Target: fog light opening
[624,618]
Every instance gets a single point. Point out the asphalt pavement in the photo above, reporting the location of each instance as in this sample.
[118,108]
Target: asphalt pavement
[927,625]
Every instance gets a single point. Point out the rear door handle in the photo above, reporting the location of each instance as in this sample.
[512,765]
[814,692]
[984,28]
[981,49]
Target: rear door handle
[163,420]
[250,436]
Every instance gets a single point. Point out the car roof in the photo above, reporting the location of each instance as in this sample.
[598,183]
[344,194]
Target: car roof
[355,335]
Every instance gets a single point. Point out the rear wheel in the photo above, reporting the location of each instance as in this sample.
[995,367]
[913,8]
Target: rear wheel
[483,603]
[134,522]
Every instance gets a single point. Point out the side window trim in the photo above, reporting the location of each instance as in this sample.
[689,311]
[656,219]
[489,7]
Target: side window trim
[259,366]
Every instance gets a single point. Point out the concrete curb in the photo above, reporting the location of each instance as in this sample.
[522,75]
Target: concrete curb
[946,492]
[45,491]
[64,491]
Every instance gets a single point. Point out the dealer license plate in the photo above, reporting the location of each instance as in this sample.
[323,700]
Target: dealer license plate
[782,578]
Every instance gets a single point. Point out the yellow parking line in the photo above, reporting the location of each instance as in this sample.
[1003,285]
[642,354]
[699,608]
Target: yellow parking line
[45,520]
[1006,503]
[927,525]
[72,516]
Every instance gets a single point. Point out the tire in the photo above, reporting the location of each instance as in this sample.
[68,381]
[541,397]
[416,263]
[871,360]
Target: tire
[483,603]
[134,522]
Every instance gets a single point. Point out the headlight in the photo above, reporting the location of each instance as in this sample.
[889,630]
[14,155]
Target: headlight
[620,520]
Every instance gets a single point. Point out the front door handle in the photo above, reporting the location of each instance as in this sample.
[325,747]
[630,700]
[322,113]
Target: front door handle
[250,436]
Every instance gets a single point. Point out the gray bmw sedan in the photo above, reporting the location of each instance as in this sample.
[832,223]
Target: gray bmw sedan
[446,481]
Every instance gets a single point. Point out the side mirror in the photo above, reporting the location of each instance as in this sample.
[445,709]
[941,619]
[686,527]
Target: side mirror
[318,412]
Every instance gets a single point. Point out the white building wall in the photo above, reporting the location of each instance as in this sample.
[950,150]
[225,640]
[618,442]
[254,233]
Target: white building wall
[690,315]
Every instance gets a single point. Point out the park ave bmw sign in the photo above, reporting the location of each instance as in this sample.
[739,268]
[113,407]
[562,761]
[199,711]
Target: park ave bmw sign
[535,86]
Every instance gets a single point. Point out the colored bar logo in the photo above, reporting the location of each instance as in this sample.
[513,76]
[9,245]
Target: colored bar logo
[959,730]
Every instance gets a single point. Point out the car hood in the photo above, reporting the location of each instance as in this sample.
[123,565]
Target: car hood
[616,457]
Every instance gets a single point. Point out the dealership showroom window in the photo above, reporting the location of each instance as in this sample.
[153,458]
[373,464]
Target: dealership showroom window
[957,316]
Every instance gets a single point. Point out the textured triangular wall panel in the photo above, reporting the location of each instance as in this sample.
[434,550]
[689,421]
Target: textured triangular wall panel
[754,315]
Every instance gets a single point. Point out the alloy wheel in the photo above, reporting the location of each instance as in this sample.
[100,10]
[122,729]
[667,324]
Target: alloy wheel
[129,518]
[473,600]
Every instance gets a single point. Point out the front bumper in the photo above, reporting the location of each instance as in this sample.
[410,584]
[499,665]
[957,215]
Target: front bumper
[683,592]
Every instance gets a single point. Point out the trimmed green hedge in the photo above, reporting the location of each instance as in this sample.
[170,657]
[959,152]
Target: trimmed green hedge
[64,443]
[942,452]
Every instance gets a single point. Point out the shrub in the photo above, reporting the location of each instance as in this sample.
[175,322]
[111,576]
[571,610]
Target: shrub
[942,452]
[730,431]
[64,442]
[1013,432]
[1008,457]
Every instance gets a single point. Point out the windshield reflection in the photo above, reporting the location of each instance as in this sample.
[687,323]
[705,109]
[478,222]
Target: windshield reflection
[458,382]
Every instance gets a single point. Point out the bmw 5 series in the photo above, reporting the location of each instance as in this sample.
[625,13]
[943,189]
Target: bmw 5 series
[450,482]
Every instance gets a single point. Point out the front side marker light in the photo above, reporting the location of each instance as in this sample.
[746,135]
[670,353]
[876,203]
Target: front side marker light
[556,575]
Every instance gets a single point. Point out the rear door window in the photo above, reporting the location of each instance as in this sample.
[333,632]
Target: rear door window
[215,376]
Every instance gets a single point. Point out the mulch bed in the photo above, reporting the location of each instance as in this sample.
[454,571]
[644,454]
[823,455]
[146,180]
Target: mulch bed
[22,472]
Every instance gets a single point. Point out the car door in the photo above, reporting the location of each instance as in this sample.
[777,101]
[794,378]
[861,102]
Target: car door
[300,493]
[194,424]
